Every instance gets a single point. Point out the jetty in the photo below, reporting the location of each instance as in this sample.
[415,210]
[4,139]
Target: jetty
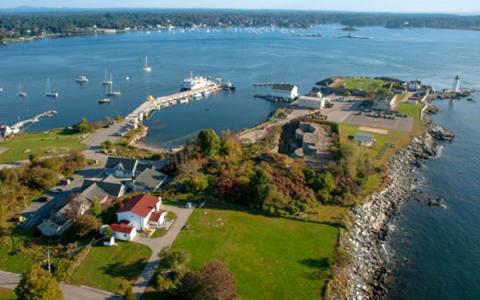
[147,108]
[22,125]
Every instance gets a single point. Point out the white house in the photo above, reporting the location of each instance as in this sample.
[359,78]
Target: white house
[121,167]
[414,85]
[288,92]
[142,211]
[311,102]
[123,231]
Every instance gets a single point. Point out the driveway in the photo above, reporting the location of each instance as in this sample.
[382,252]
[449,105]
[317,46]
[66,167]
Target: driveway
[70,292]
[95,139]
[157,244]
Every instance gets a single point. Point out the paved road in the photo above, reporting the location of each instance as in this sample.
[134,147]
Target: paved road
[95,139]
[157,245]
[70,292]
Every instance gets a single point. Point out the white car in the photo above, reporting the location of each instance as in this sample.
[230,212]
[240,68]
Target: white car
[188,205]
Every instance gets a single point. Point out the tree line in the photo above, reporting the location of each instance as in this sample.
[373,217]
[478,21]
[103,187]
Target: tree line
[34,24]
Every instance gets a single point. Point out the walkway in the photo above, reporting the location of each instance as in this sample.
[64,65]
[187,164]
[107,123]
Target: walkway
[70,292]
[157,244]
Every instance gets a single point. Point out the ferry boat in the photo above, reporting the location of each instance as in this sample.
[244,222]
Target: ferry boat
[193,83]
[146,68]
[21,92]
[48,90]
[104,101]
[107,81]
[82,79]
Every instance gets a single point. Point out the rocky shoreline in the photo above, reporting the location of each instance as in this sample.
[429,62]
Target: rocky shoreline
[368,273]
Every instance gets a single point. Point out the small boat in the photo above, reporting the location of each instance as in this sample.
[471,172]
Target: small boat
[110,92]
[228,86]
[21,92]
[470,99]
[206,94]
[104,101]
[48,90]
[106,80]
[146,68]
[183,101]
[127,77]
[82,79]
[1,89]
[197,96]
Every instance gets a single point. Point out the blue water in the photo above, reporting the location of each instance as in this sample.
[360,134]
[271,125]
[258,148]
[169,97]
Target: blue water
[437,250]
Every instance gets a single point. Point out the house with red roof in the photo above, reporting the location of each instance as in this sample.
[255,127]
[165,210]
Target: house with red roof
[123,231]
[142,212]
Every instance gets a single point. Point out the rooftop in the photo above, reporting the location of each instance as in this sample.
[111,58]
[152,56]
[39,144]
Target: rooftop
[141,205]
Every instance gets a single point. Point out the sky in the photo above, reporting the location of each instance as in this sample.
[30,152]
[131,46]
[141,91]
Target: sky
[445,6]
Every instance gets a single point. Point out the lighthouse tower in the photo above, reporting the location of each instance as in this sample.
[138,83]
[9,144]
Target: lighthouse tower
[456,84]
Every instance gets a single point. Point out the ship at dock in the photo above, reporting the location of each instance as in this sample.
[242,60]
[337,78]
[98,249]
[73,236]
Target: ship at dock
[195,83]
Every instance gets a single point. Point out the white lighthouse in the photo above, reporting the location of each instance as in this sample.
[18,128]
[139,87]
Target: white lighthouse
[456,84]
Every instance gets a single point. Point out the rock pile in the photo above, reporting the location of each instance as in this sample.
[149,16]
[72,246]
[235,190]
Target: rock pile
[368,233]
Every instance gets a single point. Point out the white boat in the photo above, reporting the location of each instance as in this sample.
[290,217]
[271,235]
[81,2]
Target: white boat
[206,94]
[104,101]
[107,81]
[21,92]
[184,101]
[49,92]
[197,96]
[194,82]
[127,77]
[146,68]
[82,79]
[1,89]
[110,92]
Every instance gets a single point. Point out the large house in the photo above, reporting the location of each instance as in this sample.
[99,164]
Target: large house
[142,212]
[61,221]
[111,185]
[124,168]
[148,180]
[287,92]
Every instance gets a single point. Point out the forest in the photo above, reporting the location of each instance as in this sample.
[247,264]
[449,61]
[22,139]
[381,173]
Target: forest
[15,24]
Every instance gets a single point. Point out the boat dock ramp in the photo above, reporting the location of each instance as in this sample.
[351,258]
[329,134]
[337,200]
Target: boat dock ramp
[148,107]
[22,125]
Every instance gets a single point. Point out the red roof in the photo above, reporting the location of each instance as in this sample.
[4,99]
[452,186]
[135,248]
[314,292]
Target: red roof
[123,228]
[141,205]
[156,215]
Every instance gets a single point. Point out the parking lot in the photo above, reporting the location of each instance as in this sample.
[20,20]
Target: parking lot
[351,113]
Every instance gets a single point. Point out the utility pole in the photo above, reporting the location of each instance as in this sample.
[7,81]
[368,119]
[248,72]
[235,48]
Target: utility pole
[48,260]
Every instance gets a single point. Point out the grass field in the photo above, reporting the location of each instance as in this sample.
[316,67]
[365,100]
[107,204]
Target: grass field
[6,294]
[107,268]
[40,143]
[413,110]
[270,258]
[360,83]
[20,262]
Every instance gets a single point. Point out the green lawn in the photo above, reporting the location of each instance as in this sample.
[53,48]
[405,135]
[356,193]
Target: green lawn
[107,268]
[6,294]
[413,110]
[21,261]
[270,258]
[360,83]
[53,142]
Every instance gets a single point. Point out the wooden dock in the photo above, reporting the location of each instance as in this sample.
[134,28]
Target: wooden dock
[148,107]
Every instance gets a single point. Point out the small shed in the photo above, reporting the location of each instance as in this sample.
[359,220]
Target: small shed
[364,139]
[124,231]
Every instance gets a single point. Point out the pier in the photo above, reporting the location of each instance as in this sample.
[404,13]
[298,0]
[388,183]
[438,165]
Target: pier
[147,108]
[22,125]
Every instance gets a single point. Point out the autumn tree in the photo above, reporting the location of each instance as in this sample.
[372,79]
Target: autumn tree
[212,281]
[209,143]
[38,284]
[85,225]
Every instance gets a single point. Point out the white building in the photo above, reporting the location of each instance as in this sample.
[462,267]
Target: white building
[123,231]
[311,102]
[287,92]
[142,212]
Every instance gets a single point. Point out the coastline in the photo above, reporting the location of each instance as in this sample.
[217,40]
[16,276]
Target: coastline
[366,238]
